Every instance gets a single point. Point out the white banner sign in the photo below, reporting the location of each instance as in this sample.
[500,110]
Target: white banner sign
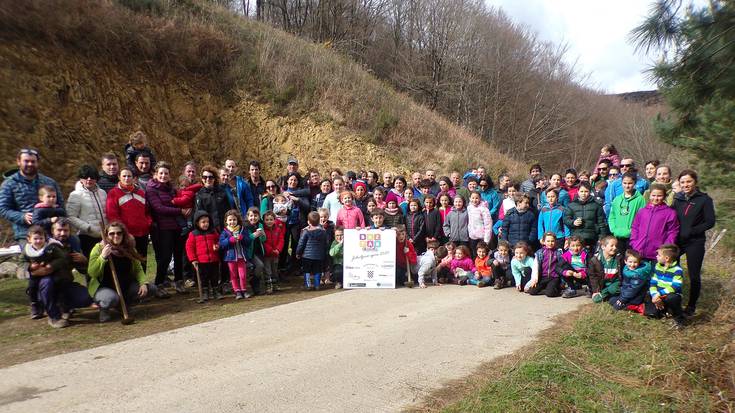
[370,258]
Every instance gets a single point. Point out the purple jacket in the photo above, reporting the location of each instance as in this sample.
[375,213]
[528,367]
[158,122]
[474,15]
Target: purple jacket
[652,227]
[159,196]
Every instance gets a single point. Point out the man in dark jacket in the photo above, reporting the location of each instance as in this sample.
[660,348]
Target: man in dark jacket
[110,169]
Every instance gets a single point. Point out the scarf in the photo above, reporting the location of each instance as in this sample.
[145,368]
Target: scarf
[234,230]
[391,211]
[126,188]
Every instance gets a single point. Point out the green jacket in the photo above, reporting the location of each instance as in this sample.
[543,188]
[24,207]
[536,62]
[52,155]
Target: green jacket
[594,222]
[96,270]
[256,242]
[336,252]
[622,212]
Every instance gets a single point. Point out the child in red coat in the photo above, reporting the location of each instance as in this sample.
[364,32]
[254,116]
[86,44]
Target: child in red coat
[405,256]
[202,249]
[275,231]
[187,193]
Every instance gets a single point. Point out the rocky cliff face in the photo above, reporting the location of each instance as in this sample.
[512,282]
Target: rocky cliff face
[74,109]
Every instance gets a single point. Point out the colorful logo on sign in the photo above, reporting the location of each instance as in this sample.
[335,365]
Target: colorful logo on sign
[370,242]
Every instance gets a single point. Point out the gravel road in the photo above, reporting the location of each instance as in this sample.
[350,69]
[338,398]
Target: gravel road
[355,351]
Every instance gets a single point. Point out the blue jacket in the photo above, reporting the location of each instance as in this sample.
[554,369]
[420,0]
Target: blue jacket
[313,244]
[563,200]
[234,247]
[635,284]
[492,197]
[519,226]
[19,195]
[244,195]
[552,220]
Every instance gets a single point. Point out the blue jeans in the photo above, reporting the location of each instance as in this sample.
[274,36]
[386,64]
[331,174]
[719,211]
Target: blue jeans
[58,296]
[474,281]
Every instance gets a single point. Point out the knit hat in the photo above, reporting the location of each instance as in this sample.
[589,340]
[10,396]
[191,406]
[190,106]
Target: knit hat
[359,183]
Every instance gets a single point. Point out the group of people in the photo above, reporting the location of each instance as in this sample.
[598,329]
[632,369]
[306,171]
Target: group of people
[611,233]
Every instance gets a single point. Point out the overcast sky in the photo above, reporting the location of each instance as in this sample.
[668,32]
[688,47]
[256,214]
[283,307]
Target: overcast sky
[596,32]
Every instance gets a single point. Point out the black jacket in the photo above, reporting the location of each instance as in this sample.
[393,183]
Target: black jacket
[215,202]
[107,182]
[696,215]
[433,221]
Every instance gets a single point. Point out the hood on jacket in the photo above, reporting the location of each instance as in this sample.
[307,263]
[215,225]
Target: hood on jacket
[199,215]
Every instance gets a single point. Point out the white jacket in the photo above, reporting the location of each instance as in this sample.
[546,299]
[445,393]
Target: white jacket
[86,210]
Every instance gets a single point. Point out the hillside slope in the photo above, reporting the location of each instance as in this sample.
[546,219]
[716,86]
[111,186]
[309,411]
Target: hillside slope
[79,77]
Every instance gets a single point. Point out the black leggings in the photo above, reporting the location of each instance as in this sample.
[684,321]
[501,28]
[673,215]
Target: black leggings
[291,239]
[695,257]
[167,244]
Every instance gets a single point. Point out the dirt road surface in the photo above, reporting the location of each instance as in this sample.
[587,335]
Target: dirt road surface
[356,351]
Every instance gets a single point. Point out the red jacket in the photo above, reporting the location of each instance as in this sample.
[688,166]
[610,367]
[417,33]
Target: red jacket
[401,256]
[200,246]
[274,238]
[131,209]
[185,197]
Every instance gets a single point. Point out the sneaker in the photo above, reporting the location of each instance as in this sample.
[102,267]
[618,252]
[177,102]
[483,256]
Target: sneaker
[569,293]
[58,323]
[217,295]
[498,284]
[238,295]
[597,298]
[189,283]
[179,287]
[338,285]
[161,292]
[269,289]
[247,294]
[481,284]
[66,316]
[689,311]
[105,315]
[36,310]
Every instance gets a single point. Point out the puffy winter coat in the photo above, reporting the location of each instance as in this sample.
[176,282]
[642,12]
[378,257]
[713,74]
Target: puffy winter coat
[696,215]
[597,273]
[635,283]
[594,222]
[274,238]
[433,224]
[130,208]
[159,196]
[455,225]
[86,210]
[350,218]
[479,222]
[233,246]
[18,195]
[312,244]
[42,215]
[519,226]
[652,227]
[185,197]
[416,230]
[200,246]
[213,200]
[107,182]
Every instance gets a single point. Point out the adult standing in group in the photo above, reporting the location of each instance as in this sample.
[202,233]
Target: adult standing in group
[331,201]
[143,170]
[212,198]
[299,198]
[563,198]
[490,195]
[238,189]
[416,185]
[110,170]
[663,177]
[601,173]
[387,181]
[615,187]
[696,213]
[168,243]
[446,188]
[86,208]
[431,176]
[533,173]
[126,203]
[190,171]
[19,193]
[650,169]
[292,168]
[399,185]
[266,201]
[256,182]
[584,217]
[116,251]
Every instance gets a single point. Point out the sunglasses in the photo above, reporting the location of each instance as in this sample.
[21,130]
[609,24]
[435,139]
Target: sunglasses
[114,233]
[602,169]
[26,151]
[207,176]
[625,165]
[270,187]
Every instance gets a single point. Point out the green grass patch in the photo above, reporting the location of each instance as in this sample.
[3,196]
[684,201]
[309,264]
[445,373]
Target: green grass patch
[609,361]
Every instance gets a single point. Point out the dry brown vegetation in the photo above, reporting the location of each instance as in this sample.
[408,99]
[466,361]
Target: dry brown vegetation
[187,42]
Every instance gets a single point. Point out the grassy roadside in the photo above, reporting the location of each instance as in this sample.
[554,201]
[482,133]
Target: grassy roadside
[601,360]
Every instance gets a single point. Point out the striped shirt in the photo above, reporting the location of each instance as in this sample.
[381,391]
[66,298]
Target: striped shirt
[666,280]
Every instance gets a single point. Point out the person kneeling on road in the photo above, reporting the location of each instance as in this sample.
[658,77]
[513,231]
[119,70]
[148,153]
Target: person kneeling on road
[117,250]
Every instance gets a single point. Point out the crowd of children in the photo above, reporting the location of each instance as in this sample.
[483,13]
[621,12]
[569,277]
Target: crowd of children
[611,235]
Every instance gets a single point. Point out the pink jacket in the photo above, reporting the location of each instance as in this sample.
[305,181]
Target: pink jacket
[465,263]
[480,224]
[350,217]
